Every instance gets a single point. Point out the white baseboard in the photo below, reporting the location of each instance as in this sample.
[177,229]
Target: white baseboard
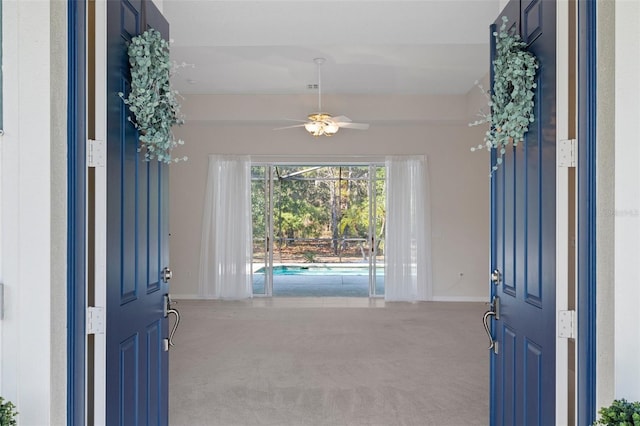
[460,299]
[186,297]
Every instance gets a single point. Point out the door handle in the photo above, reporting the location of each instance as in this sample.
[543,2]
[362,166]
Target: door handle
[167,274]
[494,311]
[496,277]
[175,325]
[485,322]
[169,310]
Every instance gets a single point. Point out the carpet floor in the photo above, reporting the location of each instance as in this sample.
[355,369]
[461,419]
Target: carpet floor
[323,361]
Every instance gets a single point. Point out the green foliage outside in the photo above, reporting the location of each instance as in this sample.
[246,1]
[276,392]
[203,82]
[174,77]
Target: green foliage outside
[309,256]
[312,202]
[620,413]
[8,413]
[258,201]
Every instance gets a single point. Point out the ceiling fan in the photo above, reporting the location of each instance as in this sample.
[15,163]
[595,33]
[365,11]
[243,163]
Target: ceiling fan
[321,123]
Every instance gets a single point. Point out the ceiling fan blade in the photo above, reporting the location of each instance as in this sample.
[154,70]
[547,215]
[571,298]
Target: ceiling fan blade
[342,119]
[290,127]
[358,126]
[295,119]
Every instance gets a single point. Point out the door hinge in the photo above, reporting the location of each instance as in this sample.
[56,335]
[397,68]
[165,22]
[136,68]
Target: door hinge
[567,324]
[95,153]
[567,152]
[95,320]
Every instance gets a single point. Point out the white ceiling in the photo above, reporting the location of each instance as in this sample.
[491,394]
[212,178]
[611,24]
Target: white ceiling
[371,47]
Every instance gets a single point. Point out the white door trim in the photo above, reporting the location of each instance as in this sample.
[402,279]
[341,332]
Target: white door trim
[563,220]
[100,212]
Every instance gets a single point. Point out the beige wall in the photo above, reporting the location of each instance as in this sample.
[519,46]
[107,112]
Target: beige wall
[625,68]
[33,215]
[434,126]
[605,194]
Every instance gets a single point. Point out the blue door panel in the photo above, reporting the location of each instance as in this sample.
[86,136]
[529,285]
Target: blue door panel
[129,381]
[154,372]
[532,383]
[498,216]
[523,242]
[154,229]
[128,213]
[532,21]
[509,388]
[137,241]
[533,158]
[129,18]
[142,226]
[508,205]
[520,217]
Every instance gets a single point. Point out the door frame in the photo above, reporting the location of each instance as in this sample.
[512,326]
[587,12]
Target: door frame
[76,222]
[586,212]
[96,406]
[76,210]
[564,187]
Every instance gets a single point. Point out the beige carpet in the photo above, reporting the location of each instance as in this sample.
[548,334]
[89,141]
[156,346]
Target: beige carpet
[329,362]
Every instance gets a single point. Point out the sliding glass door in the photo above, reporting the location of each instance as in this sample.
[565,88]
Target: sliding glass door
[318,230]
[377,228]
[261,233]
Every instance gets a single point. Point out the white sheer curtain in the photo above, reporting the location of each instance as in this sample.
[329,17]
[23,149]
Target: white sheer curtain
[407,275]
[225,252]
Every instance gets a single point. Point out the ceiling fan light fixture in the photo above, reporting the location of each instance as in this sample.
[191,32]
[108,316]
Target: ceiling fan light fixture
[313,127]
[320,124]
[331,129]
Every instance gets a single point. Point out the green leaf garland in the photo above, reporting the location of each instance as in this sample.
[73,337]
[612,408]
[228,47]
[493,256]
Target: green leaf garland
[513,91]
[152,101]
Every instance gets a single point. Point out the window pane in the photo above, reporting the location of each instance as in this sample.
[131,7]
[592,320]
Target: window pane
[321,242]
[259,222]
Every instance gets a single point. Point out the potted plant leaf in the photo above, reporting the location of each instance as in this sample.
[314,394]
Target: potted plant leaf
[8,413]
[619,413]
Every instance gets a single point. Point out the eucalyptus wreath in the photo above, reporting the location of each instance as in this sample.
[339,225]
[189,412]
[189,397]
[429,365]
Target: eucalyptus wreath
[152,101]
[511,101]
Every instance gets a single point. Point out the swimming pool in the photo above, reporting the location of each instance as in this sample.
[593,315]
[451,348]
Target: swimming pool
[324,269]
[330,280]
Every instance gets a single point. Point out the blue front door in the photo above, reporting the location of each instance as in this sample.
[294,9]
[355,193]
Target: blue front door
[524,241]
[137,242]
